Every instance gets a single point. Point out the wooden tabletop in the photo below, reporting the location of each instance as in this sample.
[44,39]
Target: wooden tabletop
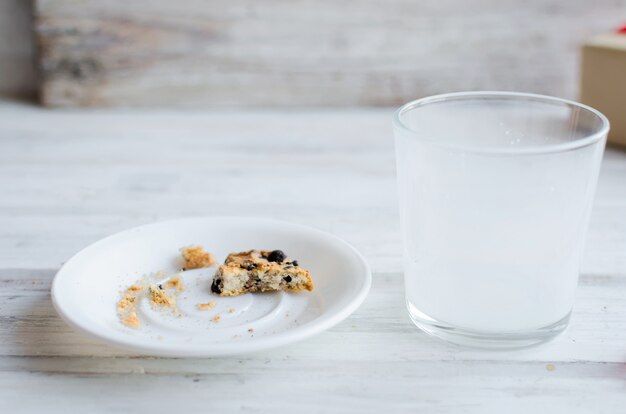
[69,178]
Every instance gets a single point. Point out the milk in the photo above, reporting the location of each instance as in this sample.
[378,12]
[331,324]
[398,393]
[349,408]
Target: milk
[492,237]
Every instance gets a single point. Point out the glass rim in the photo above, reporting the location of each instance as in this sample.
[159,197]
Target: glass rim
[520,96]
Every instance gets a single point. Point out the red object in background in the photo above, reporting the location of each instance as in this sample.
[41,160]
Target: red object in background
[622,29]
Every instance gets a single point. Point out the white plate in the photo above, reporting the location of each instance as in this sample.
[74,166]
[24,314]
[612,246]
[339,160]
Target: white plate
[86,289]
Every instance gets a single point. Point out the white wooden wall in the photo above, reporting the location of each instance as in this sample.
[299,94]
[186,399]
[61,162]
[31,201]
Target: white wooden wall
[17,55]
[352,52]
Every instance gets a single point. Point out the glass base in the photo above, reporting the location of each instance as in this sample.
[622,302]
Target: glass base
[486,340]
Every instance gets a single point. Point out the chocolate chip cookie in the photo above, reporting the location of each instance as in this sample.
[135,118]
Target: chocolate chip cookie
[260,271]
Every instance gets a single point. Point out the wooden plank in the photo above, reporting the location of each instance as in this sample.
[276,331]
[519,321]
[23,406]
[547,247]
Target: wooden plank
[379,331]
[283,385]
[354,52]
[147,163]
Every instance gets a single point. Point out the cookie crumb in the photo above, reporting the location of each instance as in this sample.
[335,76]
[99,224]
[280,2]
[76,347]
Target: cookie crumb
[217,318]
[132,321]
[175,283]
[251,330]
[158,298]
[550,367]
[127,306]
[231,310]
[206,306]
[195,257]
[159,275]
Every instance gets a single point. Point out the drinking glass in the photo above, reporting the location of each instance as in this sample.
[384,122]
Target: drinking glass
[495,194]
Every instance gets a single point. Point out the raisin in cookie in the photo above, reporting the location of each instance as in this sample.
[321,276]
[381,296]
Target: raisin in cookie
[260,271]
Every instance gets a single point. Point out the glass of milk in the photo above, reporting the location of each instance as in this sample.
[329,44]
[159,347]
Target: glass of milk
[495,194]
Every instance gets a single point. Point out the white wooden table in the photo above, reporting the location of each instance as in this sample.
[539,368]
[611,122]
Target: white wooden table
[70,178]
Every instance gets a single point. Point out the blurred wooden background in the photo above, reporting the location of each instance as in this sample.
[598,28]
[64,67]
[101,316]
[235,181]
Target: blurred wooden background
[17,53]
[299,52]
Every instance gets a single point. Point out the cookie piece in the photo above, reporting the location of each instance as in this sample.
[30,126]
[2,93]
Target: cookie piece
[127,306]
[194,257]
[206,306]
[159,297]
[260,271]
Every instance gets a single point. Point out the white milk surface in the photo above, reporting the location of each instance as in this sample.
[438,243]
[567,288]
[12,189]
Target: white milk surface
[492,241]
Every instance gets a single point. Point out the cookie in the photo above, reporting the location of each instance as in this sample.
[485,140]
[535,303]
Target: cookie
[260,271]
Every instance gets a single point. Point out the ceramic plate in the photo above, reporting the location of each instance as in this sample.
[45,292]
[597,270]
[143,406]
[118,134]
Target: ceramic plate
[86,289]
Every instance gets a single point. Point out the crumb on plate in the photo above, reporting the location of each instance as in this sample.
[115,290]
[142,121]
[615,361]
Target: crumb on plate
[159,275]
[132,321]
[206,306]
[127,306]
[231,310]
[156,294]
[175,283]
[159,298]
[194,257]
[217,318]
